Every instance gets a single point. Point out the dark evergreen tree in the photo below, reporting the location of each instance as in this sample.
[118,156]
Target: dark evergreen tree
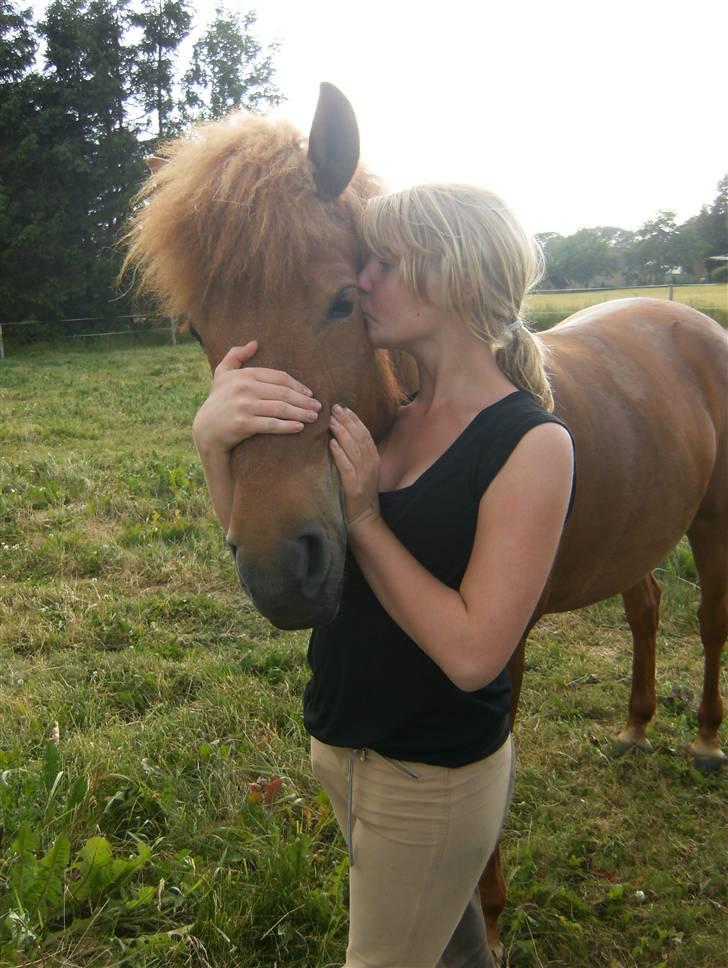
[74,166]
[163,24]
[71,158]
[22,219]
[230,69]
[17,44]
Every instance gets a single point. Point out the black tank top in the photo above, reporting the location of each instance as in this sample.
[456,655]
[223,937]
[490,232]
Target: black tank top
[372,686]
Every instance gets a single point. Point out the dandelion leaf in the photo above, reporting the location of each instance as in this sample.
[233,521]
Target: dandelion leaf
[25,867]
[47,897]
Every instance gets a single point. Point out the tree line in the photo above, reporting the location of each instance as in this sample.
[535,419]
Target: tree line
[88,91]
[86,94]
[660,251]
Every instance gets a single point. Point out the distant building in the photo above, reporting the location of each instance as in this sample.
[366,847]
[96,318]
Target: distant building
[714,262]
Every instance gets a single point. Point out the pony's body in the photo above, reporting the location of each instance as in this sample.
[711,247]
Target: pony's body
[639,382]
[250,235]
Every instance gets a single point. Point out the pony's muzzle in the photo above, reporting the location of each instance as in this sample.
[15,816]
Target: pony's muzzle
[296,587]
[312,556]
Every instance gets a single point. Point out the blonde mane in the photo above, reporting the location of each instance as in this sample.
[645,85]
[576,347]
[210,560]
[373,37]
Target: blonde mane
[234,210]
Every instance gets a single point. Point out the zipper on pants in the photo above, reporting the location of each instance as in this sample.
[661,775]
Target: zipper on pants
[350,802]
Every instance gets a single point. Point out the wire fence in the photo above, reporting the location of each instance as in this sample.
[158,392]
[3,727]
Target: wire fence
[545,307]
[138,325]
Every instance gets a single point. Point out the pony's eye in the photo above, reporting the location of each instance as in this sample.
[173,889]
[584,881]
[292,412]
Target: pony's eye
[343,305]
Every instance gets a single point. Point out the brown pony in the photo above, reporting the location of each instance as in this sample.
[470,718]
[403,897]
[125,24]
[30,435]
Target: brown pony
[251,233]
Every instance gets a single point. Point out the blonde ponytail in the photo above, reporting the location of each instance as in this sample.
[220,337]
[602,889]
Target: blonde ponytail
[522,360]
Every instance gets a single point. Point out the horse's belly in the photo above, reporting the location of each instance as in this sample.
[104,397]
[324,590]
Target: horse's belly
[646,449]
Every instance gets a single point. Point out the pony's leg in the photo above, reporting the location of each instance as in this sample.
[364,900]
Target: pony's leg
[708,538]
[642,608]
[493,894]
[492,885]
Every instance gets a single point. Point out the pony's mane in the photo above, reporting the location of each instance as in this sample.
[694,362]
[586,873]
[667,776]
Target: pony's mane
[234,210]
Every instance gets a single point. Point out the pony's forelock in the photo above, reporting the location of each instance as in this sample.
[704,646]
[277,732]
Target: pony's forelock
[234,210]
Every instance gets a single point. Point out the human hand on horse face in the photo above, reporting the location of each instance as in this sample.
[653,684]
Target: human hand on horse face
[247,400]
[357,461]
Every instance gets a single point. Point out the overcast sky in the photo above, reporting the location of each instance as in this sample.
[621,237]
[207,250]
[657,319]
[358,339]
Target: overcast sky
[578,112]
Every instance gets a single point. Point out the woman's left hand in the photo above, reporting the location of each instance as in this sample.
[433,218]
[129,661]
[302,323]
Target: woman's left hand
[357,461]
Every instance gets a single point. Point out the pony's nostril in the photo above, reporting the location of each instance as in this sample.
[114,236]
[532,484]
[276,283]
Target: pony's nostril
[316,557]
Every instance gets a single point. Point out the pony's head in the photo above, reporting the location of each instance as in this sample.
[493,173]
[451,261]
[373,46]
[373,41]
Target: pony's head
[249,233]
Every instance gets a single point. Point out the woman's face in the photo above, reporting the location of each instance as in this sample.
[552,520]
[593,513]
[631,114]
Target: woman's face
[394,318]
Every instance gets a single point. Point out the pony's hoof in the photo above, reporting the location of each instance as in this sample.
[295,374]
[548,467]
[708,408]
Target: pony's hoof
[627,741]
[497,954]
[710,764]
[708,757]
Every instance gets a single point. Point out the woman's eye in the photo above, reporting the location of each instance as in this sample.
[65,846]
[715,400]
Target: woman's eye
[343,305]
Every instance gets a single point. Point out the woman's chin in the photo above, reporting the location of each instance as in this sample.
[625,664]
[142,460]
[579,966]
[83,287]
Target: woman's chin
[376,337]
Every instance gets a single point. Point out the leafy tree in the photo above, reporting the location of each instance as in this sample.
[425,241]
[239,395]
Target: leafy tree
[715,222]
[553,277]
[229,69]
[579,258]
[164,24]
[705,234]
[655,252]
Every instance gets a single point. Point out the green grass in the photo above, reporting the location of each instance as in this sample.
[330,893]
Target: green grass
[546,309]
[139,835]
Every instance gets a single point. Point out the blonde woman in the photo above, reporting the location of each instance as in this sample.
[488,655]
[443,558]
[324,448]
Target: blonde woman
[454,522]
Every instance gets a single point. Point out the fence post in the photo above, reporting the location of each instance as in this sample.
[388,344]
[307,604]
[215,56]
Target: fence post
[173,327]
[669,295]
[2,345]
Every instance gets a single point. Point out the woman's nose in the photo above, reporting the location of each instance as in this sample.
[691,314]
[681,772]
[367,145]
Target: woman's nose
[365,277]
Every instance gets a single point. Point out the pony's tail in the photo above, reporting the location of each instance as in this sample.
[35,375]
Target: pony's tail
[523,361]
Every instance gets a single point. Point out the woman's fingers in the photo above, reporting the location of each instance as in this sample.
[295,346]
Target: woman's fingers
[272,425]
[236,356]
[352,434]
[346,439]
[285,393]
[280,379]
[357,461]
[341,459]
[281,410]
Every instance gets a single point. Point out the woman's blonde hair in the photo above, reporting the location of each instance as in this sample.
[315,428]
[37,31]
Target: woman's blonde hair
[485,261]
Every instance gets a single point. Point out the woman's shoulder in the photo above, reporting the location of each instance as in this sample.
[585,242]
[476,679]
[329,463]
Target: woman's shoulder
[542,464]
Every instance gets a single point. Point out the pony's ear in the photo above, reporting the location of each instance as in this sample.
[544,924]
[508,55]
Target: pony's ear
[333,145]
[154,163]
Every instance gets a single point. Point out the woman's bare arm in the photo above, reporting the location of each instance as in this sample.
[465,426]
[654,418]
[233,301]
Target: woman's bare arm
[470,632]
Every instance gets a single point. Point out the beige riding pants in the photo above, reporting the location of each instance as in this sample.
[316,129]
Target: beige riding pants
[419,837]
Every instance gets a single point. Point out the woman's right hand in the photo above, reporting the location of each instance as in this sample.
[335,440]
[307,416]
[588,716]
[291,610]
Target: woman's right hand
[246,400]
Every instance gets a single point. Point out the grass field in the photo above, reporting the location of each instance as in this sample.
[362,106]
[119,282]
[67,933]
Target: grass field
[147,715]
[545,308]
